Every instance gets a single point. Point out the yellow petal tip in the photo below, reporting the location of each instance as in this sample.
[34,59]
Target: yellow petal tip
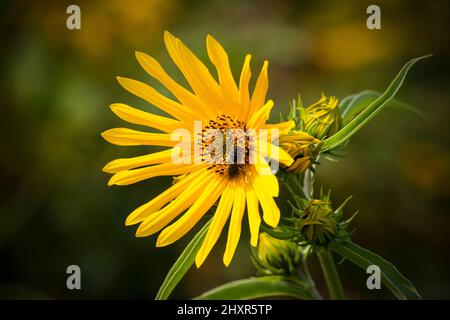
[121,80]
[112,181]
[141,56]
[198,261]
[226,260]
[129,221]
[272,224]
[114,106]
[140,235]
[289,162]
[107,168]
[162,240]
[107,135]
[211,40]
[200,258]
[168,35]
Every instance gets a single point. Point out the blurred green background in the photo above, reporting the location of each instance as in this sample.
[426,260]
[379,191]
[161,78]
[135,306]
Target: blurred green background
[56,209]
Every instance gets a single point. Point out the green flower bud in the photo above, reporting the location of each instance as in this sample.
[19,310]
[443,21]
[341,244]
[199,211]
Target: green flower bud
[321,119]
[275,256]
[318,223]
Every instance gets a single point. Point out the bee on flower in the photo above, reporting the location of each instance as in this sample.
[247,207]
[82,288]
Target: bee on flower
[239,178]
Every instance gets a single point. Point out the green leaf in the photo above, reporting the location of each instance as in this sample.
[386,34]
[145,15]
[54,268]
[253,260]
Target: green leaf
[357,103]
[401,287]
[254,288]
[354,104]
[402,106]
[345,103]
[372,109]
[182,265]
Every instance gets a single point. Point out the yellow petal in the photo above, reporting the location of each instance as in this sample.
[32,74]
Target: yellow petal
[260,92]
[123,178]
[282,127]
[195,72]
[234,230]
[219,58]
[254,219]
[271,212]
[259,118]
[163,217]
[129,137]
[265,177]
[276,153]
[135,162]
[283,157]
[140,117]
[152,96]
[243,88]
[215,229]
[203,203]
[187,98]
[163,198]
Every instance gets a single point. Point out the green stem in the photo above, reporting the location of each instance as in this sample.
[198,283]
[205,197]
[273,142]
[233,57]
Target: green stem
[331,275]
[306,269]
[291,191]
[307,184]
[310,280]
[316,293]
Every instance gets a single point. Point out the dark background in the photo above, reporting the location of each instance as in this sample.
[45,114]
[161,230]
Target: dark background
[56,209]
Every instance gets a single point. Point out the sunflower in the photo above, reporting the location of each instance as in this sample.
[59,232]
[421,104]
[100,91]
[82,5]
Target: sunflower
[200,183]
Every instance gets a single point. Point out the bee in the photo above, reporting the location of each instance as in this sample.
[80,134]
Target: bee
[234,170]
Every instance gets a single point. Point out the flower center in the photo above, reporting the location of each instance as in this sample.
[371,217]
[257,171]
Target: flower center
[225,146]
